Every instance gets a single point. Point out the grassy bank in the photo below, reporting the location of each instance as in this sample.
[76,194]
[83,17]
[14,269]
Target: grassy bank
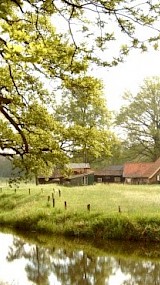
[118,212]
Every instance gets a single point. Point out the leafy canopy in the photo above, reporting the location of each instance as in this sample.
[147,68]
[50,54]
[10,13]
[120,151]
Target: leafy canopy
[140,120]
[36,53]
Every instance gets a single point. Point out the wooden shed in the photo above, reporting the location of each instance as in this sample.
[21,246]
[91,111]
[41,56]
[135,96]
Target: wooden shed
[110,174]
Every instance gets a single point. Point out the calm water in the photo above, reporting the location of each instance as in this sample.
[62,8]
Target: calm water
[65,262]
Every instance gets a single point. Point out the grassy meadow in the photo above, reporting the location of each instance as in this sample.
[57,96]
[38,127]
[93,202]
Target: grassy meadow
[121,212]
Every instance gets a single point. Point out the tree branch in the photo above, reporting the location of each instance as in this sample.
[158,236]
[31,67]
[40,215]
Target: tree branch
[17,4]
[11,120]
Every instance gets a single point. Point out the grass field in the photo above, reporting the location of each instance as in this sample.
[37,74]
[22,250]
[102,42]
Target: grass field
[103,198]
[116,211]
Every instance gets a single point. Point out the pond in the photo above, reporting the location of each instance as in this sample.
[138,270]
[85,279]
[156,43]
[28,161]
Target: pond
[38,259]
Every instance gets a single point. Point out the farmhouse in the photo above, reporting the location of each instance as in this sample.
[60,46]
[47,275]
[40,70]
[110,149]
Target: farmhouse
[80,174]
[130,173]
[142,172]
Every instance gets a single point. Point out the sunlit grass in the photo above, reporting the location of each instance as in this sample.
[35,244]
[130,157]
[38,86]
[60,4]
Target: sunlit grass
[103,198]
[115,209]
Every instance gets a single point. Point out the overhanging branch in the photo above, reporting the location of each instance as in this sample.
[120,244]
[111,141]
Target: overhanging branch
[11,120]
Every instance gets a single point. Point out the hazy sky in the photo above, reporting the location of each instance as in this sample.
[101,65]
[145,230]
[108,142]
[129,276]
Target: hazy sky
[129,76]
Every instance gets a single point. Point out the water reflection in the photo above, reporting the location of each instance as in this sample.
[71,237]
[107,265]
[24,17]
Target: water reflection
[26,263]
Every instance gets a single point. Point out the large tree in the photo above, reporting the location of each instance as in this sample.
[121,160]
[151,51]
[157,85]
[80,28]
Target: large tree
[32,52]
[86,119]
[140,120]
[28,132]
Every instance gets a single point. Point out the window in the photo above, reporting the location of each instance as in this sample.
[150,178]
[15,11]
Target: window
[117,179]
[99,179]
[158,177]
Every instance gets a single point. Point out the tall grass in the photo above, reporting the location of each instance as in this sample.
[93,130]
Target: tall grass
[117,211]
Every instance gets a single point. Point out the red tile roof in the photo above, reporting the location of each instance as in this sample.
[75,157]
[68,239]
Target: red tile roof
[141,169]
[136,169]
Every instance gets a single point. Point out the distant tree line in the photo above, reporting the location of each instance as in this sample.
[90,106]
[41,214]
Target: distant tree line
[6,168]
